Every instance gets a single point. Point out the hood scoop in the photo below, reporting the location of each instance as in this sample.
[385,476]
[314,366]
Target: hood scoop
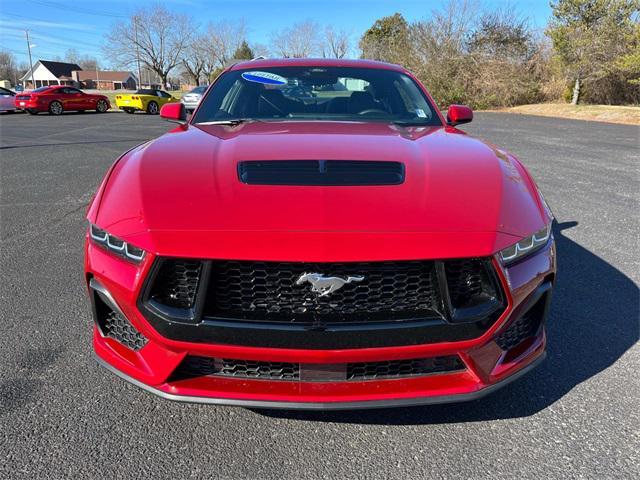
[321,172]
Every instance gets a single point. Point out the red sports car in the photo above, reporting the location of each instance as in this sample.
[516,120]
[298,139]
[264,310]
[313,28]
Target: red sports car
[319,236]
[58,99]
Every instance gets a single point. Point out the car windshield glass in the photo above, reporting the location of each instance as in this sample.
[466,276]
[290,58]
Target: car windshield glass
[317,93]
[146,91]
[41,89]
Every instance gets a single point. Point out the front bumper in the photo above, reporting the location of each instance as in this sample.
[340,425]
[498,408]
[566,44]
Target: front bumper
[487,366]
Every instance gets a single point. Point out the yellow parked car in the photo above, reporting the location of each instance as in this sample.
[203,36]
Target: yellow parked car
[146,100]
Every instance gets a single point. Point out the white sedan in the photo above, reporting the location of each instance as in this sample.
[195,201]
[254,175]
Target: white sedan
[7,100]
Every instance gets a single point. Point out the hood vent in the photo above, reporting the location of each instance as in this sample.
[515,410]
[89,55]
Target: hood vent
[320,172]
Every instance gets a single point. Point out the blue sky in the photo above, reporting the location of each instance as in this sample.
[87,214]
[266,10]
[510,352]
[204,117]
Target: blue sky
[57,25]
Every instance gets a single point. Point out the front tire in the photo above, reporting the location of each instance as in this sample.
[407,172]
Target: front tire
[55,108]
[101,106]
[152,108]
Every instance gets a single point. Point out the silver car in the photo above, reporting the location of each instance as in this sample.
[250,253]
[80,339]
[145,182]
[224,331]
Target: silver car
[192,99]
[7,100]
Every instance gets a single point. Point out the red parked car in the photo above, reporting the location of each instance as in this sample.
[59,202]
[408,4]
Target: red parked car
[58,99]
[334,246]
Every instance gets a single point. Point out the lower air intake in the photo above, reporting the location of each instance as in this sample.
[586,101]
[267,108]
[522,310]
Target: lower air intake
[403,368]
[119,328]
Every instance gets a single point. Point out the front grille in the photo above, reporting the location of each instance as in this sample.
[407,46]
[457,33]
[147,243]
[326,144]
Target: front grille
[195,366]
[117,327]
[269,291]
[176,283]
[403,368]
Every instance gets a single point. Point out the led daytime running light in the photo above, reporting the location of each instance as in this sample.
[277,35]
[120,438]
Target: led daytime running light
[115,245]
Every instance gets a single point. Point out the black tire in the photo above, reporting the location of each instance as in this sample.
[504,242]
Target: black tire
[152,108]
[101,106]
[55,108]
[31,111]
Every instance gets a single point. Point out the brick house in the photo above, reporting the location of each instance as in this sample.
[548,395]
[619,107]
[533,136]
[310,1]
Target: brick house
[104,80]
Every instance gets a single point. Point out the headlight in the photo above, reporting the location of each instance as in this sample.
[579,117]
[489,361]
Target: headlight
[526,246]
[115,245]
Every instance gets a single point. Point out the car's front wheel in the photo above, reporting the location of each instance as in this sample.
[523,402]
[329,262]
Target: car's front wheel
[101,106]
[55,108]
[152,108]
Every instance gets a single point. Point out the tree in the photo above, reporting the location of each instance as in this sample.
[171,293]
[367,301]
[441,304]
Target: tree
[336,43]
[592,39]
[243,52]
[8,69]
[85,62]
[387,39]
[160,36]
[299,41]
[194,60]
[223,39]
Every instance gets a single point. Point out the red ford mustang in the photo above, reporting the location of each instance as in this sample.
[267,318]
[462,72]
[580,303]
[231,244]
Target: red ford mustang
[318,236]
[58,99]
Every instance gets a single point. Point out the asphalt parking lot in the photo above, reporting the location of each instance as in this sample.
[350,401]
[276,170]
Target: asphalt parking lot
[61,416]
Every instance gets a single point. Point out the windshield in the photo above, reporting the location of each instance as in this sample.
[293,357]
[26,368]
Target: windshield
[317,93]
[41,89]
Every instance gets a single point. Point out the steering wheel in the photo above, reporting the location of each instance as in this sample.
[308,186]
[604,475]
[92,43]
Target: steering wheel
[370,111]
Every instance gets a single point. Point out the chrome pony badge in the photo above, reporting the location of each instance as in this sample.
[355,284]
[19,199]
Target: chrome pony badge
[324,286]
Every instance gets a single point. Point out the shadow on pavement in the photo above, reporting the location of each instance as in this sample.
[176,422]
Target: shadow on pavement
[593,322]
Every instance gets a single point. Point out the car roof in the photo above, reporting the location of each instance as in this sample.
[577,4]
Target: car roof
[315,62]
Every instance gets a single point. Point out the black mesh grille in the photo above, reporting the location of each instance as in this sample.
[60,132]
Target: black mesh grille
[527,326]
[269,291]
[403,368]
[119,328]
[176,283]
[194,366]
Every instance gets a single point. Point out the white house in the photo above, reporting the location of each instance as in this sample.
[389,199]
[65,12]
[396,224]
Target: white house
[49,73]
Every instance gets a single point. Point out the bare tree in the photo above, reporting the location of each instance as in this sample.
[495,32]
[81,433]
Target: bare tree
[160,36]
[222,39]
[8,69]
[336,43]
[299,41]
[195,59]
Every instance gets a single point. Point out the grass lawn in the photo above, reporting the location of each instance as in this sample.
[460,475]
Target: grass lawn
[601,113]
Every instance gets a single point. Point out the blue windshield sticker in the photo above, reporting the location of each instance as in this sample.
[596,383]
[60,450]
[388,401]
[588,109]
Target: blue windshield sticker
[264,77]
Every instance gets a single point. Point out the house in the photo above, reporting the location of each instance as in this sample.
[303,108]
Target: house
[104,80]
[49,73]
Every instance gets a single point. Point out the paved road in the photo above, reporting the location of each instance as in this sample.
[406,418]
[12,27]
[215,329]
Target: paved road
[577,416]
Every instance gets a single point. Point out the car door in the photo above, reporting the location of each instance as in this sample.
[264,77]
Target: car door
[77,99]
[164,97]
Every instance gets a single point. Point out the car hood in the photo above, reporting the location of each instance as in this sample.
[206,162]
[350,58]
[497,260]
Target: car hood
[181,193]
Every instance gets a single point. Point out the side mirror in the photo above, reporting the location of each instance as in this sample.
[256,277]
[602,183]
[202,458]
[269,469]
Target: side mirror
[458,114]
[174,112]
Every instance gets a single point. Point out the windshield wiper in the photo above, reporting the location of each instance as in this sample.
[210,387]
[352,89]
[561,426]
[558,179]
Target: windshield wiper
[230,121]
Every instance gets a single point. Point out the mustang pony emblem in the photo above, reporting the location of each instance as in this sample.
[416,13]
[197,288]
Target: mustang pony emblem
[326,285]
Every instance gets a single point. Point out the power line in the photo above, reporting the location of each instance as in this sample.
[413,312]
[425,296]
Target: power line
[78,9]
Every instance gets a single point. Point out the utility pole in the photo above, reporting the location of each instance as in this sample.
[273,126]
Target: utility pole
[33,83]
[135,27]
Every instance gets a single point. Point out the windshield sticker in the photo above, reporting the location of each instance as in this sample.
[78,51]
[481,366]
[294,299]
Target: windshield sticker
[420,113]
[264,77]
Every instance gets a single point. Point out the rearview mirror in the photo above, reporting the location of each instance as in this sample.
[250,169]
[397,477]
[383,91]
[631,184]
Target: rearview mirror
[458,114]
[174,112]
